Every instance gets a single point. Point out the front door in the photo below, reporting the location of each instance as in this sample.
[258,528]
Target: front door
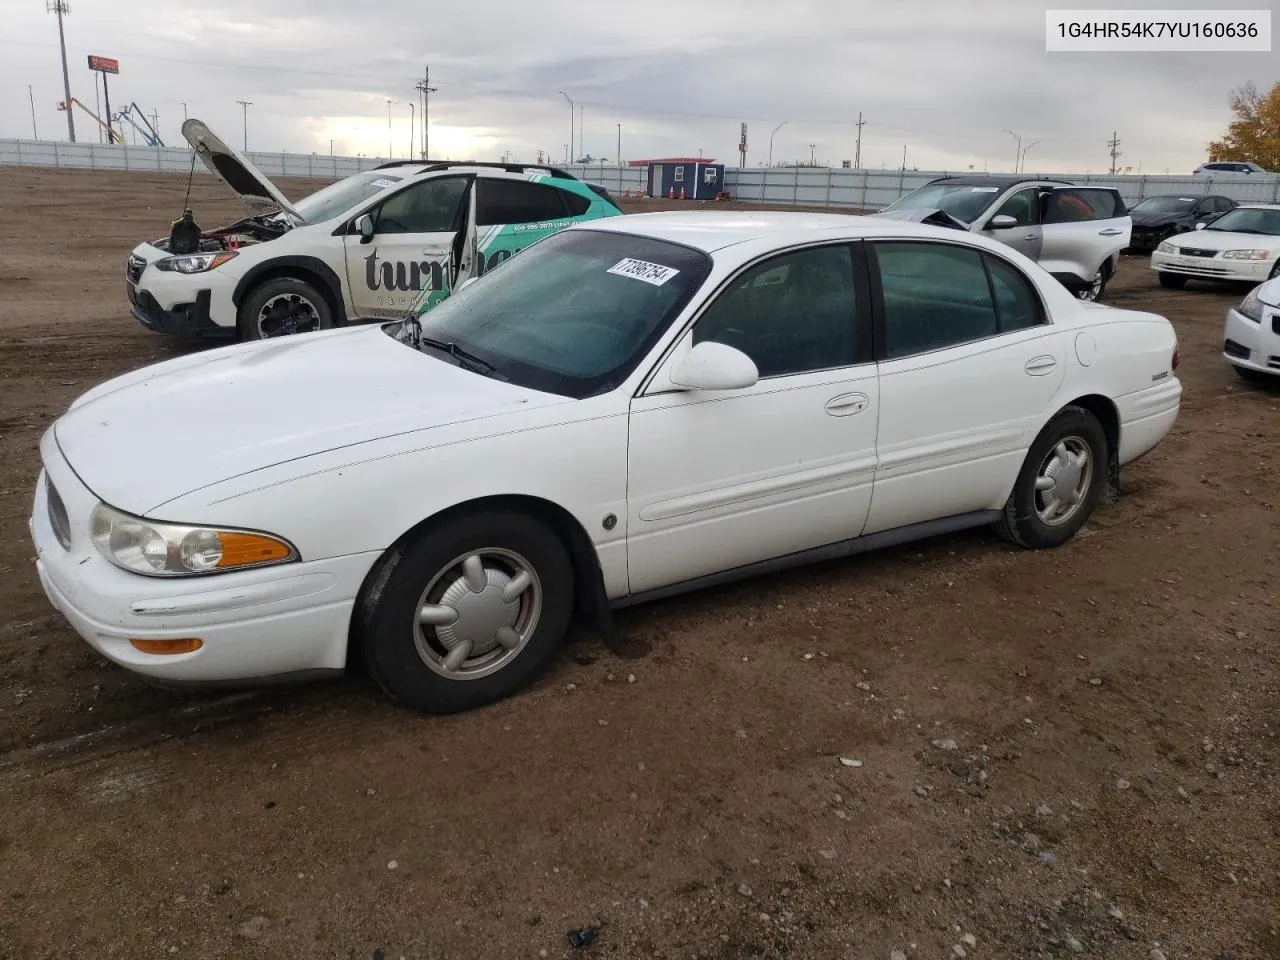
[720,479]
[965,380]
[1025,236]
[409,261]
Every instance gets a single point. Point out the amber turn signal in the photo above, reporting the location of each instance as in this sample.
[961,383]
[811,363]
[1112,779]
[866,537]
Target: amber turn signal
[168,647]
[246,549]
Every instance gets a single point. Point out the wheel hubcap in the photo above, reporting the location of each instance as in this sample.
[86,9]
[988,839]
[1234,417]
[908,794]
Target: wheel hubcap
[478,613]
[1063,481]
[1095,288]
[287,314]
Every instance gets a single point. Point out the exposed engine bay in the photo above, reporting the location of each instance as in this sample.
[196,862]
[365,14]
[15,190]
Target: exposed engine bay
[186,237]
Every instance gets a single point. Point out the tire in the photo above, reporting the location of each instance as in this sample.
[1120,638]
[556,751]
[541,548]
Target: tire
[1255,376]
[1025,521]
[1172,281]
[281,307]
[407,659]
[1098,286]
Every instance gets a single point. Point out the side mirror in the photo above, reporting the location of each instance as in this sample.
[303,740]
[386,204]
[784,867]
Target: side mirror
[1200,225]
[364,227]
[715,366]
[1002,222]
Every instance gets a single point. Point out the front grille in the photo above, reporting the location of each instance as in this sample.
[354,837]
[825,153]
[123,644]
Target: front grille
[134,267]
[1273,363]
[1196,252]
[58,515]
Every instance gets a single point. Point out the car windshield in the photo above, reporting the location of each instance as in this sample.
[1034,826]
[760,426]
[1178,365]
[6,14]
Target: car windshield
[1165,205]
[1249,220]
[962,202]
[572,314]
[338,198]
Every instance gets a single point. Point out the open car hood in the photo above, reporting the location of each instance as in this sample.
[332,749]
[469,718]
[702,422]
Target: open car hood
[931,216]
[258,194]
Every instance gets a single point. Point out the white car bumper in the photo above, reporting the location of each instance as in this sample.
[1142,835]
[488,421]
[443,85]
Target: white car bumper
[256,624]
[186,304]
[1252,344]
[1146,417]
[1212,268]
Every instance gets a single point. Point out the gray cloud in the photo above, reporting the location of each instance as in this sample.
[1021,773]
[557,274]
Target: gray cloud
[945,79]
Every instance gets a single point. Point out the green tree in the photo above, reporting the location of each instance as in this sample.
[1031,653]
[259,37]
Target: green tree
[1254,135]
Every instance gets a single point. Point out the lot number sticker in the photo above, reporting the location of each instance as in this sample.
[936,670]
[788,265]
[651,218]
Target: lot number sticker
[654,273]
[384,182]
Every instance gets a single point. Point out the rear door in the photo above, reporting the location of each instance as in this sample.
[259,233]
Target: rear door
[512,213]
[409,260]
[1084,227]
[1026,237]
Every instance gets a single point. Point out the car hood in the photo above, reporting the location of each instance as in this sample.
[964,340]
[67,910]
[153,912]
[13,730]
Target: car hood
[176,427]
[1269,292]
[258,194]
[928,215]
[1225,240]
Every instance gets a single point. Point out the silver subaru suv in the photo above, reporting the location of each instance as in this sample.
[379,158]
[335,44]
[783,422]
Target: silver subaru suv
[1076,233]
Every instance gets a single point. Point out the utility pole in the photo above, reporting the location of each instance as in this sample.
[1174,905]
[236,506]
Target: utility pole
[409,155]
[569,150]
[1114,144]
[155,122]
[582,140]
[244,107]
[618,157]
[389,147]
[812,162]
[904,157]
[857,150]
[425,88]
[32,97]
[61,9]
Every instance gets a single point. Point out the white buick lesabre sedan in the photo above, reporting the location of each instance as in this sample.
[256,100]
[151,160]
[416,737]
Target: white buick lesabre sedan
[631,408]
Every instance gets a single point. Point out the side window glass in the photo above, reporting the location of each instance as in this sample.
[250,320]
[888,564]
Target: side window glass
[502,201]
[427,207]
[792,314]
[935,296]
[575,203]
[1017,304]
[1067,206]
[1022,207]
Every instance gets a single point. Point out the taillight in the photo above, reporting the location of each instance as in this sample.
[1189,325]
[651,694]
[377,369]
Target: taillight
[1176,355]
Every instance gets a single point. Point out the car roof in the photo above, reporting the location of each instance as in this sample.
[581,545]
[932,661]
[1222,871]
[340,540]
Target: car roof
[993,180]
[518,170]
[712,230]
[1258,206]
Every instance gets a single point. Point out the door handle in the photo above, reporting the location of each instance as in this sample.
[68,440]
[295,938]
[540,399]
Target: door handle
[1029,236]
[847,403]
[1113,232]
[1039,366]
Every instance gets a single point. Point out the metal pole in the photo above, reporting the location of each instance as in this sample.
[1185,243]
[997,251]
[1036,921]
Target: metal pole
[569,156]
[618,158]
[244,106]
[97,98]
[389,148]
[409,155]
[32,97]
[1017,157]
[60,8]
[106,102]
[775,130]
[857,150]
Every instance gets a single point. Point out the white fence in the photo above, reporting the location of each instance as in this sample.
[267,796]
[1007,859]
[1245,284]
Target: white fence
[855,189]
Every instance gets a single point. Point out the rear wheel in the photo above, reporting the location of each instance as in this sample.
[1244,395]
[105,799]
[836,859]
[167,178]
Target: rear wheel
[1097,285]
[1060,482]
[474,609]
[282,307]
[1172,281]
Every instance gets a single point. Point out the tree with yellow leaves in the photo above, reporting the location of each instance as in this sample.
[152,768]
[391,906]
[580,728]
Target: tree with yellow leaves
[1254,135]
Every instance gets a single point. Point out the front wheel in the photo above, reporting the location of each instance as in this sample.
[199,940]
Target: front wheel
[475,608]
[1171,281]
[1255,376]
[282,307]
[1060,482]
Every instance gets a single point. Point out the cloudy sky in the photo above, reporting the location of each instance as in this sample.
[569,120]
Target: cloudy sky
[942,78]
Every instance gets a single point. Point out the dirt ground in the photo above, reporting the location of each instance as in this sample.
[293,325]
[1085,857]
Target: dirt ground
[1063,753]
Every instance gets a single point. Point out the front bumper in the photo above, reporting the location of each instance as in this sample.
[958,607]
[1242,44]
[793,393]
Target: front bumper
[1250,344]
[1213,268]
[183,305]
[184,320]
[279,621]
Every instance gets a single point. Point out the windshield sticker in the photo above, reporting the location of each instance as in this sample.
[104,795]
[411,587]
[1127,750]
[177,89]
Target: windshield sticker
[983,189]
[654,273]
[1186,199]
[384,182]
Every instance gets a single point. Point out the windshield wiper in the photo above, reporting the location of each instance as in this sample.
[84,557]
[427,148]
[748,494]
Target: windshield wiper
[465,358]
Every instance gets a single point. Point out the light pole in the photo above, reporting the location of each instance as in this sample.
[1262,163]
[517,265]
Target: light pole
[619,156]
[244,106]
[410,154]
[1017,157]
[184,111]
[388,128]
[61,9]
[1024,155]
[570,156]
[812,161]
[771,133]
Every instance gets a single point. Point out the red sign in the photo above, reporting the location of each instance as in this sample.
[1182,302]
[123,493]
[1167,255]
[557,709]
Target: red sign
[104,64]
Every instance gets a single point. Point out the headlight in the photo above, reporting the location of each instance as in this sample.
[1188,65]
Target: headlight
[157,549]
[195,263]
[1251,306]
[1165,247]
[1247,255]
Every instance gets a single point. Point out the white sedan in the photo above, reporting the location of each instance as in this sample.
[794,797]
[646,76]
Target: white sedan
[1251,337]
[1242,244]
[630,409]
